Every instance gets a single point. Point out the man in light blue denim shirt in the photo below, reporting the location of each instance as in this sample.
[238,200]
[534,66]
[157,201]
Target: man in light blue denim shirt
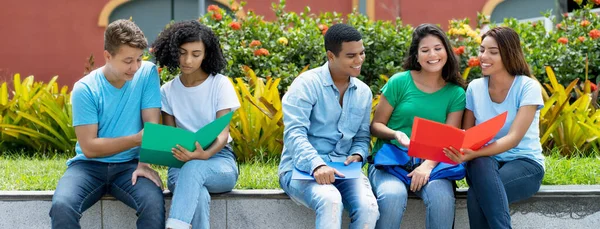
[326,116]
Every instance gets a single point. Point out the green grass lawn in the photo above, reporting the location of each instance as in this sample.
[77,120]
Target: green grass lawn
[42,173]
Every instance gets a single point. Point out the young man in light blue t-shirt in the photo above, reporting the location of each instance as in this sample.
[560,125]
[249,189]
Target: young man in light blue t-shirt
[109,107]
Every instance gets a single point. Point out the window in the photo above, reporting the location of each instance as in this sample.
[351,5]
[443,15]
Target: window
[153,15]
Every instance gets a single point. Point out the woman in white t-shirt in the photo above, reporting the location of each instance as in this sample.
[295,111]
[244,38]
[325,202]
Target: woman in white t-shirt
[511,167]
[196,97]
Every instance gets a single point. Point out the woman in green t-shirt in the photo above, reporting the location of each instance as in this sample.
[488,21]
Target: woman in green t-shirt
[433,89]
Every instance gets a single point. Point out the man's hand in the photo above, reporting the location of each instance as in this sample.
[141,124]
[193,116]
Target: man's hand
[325,174]
[185,155]
[137,138]
[402,138]
[144,170]
[459,156]
[353,158]
[419,177]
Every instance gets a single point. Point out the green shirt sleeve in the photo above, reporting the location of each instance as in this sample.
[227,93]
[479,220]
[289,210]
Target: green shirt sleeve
[458,104]
[391,90]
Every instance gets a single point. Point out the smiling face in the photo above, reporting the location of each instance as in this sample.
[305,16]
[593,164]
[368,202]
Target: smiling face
[349,60]
[489,57]
[432,55]
[124,64]
[191,55]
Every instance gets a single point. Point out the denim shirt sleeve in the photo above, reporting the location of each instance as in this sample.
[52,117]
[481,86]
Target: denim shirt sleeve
[297,107]
[362,139]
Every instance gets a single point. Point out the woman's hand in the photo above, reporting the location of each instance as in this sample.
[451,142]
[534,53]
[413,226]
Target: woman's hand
[419,177]
[402,138]
[459,156]
[185,155]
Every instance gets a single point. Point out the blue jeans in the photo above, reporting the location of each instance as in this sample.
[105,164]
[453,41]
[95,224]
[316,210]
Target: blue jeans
[493,185]
[328,201]
[192,184]
[85,182]
[392,195]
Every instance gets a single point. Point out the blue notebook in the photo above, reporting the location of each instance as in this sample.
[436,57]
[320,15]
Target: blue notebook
[351,171]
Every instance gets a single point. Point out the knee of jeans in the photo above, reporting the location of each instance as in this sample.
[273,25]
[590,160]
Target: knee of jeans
[191,166]
[440,202]
[64,204]
[193,169]
[478,164]
[152,200]
[327,197]
[369,209]
[392,192]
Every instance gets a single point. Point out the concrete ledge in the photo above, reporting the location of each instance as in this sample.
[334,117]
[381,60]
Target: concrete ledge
[570,206]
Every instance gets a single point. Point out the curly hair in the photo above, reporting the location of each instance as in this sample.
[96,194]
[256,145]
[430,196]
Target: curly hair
[450,72]
[167,44]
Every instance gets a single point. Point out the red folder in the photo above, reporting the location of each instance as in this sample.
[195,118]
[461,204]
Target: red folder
[429,138]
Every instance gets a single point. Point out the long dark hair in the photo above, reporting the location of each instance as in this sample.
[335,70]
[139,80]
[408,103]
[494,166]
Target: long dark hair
[511,52]
[450,72]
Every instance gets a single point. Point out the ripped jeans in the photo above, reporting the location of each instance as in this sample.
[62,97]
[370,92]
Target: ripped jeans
[328,201]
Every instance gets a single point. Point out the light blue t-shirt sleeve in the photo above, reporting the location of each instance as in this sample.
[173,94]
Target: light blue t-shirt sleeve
[531,94]
[469,97]
[151,92]
[83,105]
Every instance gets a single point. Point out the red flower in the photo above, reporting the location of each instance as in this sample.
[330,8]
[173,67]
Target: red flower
[261,52]
[159,70]
[255,43]
[566,15]
[213,8]
[234,8]
[235,25]
[534,24]
[459,51]
[323,28]
[582,39]
[585,23]
[563,40]
[473,62]
[597,2]
[593,86]
[559,26]
[595,34]
[217,16]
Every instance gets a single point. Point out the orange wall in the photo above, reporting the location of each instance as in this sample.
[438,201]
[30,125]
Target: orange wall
[47,38]
[411,11]
[433,11]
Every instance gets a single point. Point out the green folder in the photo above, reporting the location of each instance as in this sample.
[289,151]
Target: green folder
[158,140]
